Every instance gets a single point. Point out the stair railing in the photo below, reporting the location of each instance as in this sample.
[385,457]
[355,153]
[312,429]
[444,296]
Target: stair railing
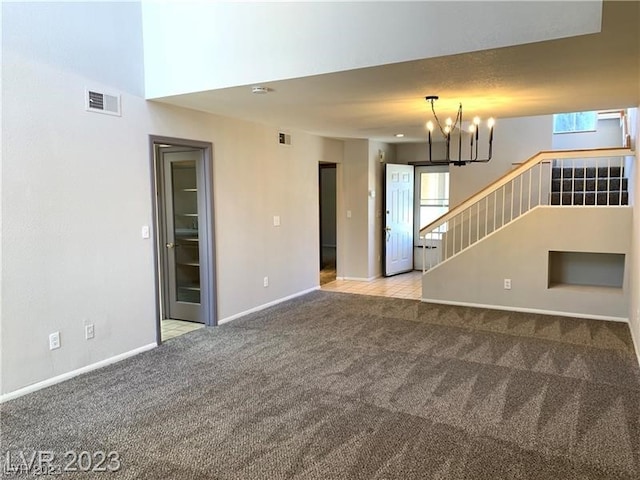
[529,185]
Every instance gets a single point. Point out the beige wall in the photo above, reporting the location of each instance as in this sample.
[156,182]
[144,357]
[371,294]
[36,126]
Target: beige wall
[76,190]
[360,247]
[520,252]
[193,42]
[353,251]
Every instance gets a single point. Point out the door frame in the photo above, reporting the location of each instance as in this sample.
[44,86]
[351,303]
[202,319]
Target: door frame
[333,166]
[208,292]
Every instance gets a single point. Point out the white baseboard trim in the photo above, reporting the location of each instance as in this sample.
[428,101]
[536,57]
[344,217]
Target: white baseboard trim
[359,279]
[588,316]
[74,373]
[267,305]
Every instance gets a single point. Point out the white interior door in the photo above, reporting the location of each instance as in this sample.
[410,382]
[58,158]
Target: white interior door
[398,250]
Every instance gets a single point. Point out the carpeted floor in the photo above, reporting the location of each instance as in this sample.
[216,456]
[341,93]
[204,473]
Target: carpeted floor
[339,386]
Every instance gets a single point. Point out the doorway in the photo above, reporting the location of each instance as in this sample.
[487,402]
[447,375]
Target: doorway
[398,229]
[328,222]
[185,270]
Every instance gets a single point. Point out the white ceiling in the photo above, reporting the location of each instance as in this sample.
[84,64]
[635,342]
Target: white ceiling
[597,71]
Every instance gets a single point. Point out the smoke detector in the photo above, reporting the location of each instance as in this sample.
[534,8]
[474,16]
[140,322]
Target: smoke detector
[259,90]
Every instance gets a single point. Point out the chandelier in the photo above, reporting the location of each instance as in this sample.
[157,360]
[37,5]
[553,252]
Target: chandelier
[453,130]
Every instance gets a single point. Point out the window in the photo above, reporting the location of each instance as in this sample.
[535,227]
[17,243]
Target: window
[575,122]
[432,196]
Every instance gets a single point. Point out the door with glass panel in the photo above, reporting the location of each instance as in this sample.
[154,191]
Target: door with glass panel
[183,203]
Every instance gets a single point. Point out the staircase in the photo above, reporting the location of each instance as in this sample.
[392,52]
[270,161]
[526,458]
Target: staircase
[563,178]
[589,186]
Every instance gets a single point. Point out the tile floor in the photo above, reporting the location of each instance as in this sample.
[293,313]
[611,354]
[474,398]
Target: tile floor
[175,328]
[405,285]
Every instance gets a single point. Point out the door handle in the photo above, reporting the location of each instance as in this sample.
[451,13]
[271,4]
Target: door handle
[388,229]
[170,245]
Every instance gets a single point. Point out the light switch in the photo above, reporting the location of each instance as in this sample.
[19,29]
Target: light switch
[348,213]
[145,231]
[276,220]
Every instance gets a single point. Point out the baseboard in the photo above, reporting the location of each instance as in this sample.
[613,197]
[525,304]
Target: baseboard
[74,373]
[588,316]
[266,305]
[359,279]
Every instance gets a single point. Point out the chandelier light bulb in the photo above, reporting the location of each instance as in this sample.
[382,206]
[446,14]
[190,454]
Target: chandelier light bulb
[449,122]
[447,129]
[430,126]
[491,122]
[476,120]
[472,128]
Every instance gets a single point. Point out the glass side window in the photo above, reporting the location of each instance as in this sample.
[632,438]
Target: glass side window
[434,196]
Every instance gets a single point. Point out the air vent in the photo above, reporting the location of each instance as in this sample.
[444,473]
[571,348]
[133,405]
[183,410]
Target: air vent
[284,138]
[102,102]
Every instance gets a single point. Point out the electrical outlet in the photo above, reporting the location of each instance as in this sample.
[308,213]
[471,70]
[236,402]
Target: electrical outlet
[507,284]
[54,340]
[265,282]
[89,331]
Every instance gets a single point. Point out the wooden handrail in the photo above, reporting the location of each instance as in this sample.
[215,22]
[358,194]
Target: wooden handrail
[511,174]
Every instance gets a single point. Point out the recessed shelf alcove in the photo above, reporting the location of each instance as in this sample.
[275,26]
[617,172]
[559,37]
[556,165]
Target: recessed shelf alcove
[586,269]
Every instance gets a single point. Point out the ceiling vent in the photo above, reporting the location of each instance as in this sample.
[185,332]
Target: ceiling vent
[284,138]
[102,103]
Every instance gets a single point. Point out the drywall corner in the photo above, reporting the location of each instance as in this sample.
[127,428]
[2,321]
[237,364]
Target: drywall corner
[634,303]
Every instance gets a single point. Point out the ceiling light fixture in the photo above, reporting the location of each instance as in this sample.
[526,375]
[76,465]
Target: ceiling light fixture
[399,135]
[259,90]
[450,129]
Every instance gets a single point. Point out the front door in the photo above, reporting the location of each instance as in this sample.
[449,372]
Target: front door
[398,250]
[183,207]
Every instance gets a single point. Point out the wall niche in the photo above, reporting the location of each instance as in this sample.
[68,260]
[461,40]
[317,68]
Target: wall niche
[586,269]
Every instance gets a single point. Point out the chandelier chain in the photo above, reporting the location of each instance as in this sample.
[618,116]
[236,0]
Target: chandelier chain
[455,124]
